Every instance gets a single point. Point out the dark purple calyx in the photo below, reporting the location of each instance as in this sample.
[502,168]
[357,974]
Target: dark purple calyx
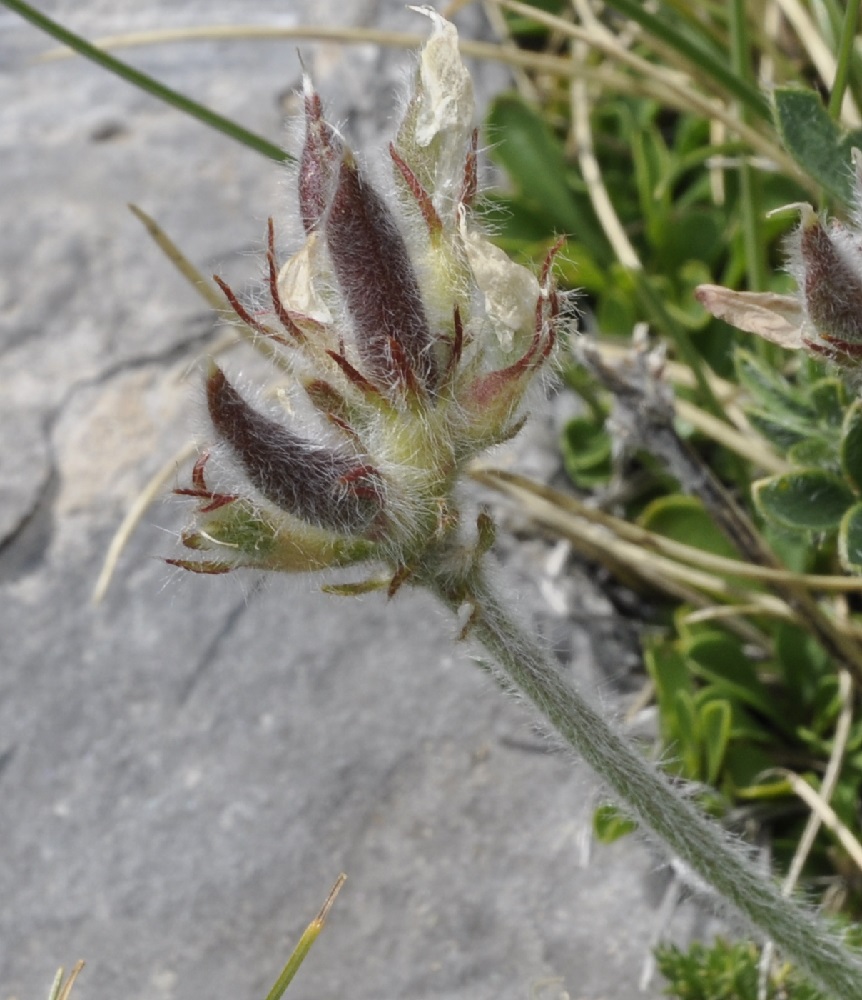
[380,288]
[320,485]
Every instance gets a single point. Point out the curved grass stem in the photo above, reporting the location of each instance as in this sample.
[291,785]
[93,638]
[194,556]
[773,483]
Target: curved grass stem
[144,82]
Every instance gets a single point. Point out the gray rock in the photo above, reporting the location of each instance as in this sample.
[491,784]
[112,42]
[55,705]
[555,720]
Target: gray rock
[186,768]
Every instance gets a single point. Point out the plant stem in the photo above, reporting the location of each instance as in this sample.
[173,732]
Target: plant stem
[749,200]
[146,83]
[845,53]
[645,791]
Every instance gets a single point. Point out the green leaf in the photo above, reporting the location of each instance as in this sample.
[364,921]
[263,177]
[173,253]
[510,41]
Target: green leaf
[796,551]
[617,313]
[715,736]
[651,163]
[684,519]
[586,447]
[814,140]
[303,946]
[782,433]
[771,391]
[801,661]
[744,766]
[671,677]
[814,451]
[720,659]
[534,159]
[771,788]
[851,445]
[829,396]
[807,500]
[826,705]
[695,234]
[609,824]
[850,539]
[687,747]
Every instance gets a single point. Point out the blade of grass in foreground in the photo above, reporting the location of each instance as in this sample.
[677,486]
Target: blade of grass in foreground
[845,51]
[305,942]
[226,126]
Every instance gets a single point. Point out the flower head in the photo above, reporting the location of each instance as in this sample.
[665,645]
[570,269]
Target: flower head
[410,339]
[825,317]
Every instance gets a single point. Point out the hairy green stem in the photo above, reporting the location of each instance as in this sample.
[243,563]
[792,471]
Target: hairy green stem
[646,792]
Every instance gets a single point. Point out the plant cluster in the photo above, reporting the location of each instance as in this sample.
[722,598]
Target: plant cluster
[733,502]
[754,672]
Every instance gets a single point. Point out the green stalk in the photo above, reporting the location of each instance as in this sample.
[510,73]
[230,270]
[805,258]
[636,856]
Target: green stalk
[750,211]
[845,53]
[149,85]
[645,791]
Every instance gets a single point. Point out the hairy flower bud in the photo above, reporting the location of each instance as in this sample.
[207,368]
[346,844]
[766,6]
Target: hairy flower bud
[831,281]
[825,317]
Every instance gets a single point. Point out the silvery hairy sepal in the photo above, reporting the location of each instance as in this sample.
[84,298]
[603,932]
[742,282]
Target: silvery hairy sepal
[411,342]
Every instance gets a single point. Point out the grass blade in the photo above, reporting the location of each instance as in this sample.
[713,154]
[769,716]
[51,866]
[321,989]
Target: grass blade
[305,942]
[148,84]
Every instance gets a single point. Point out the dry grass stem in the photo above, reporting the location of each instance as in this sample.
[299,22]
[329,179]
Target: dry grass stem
[133,517]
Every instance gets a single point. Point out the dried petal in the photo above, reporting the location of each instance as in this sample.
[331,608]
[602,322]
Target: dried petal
[297,287]
[438,125]
[314,483]
[445,89]
[281,311]
[776,318]
[378,282]
[510,290]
